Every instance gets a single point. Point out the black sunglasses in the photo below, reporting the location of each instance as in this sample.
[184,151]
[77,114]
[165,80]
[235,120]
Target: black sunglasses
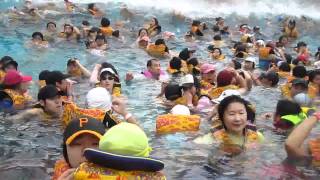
[110,78]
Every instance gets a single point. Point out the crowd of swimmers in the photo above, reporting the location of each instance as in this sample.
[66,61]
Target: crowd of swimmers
[103,139]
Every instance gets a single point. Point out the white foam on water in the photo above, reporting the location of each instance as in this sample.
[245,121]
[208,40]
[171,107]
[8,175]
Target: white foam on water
[212,8]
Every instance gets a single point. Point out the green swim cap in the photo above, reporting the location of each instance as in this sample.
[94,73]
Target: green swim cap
[125,139]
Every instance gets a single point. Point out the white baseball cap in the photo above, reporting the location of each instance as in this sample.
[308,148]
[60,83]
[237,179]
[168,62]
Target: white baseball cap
[187,79]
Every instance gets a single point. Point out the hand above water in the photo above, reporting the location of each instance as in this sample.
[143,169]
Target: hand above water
[129,76]
[67,175]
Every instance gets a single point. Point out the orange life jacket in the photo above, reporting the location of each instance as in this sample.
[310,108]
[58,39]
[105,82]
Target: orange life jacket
[94,172]
[59,168]
[107,31]
[156,50]
[216,92]
[19,100]
[264,52]
[170,123]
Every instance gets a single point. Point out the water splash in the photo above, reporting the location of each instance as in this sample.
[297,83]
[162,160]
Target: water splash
[212,8]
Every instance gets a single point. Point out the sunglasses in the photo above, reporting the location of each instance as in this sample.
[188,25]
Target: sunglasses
[110,78]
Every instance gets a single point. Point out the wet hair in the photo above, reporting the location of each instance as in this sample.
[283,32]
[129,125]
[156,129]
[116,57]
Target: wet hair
[204,26]
[108,65]
[149,63]
[217,49]
[116,33]
[317,55]
[35,34]
[43,75]
[160,41]
[312,74]
[292,22]
[105,22]
[299,71]
[237,65]
[10,62]
[51,23]
[284,66]
[6,59]
[156,21]
[196,23]
[215,28]
[240,47]
[217,37]
[88,43]
[240,54]
[101,37]
[282,37]
[95,29]
[85,23]
[194,62]
[172,92]
[175,63]
[65,25]
[222,107]
[71,61]
[288,58]
[287,107]
[91,6]
[140,30]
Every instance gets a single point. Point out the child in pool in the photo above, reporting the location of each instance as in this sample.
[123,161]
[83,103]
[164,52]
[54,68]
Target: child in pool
[80,133]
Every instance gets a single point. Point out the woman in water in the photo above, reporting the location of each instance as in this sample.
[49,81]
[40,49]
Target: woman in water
[233,113]
[154,28]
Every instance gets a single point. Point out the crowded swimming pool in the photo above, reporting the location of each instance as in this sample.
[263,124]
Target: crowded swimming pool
[30,147]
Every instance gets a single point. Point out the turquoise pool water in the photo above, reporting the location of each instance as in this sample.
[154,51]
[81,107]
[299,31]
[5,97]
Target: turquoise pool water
[29,149]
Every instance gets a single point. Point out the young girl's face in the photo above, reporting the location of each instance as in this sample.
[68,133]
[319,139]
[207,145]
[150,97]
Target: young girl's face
[76,149]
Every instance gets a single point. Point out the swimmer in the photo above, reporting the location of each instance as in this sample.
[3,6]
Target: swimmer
[70,32]
[215,53]
[158,49]
[105,28]
[233,113]
[16,86]
[85,28]
[51,32]
[290,29]
[208,77]
[76,69]
[154,28]
[94,10]
[143,36]
[153,72]
[38,40]
[101,42]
